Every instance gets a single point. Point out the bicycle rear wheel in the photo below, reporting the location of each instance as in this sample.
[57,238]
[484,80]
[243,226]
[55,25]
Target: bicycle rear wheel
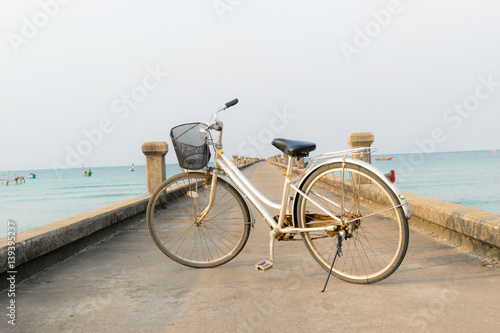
[374,222]
[172,217]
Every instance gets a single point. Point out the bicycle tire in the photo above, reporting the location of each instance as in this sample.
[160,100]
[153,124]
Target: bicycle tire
[218,238]
[378,239]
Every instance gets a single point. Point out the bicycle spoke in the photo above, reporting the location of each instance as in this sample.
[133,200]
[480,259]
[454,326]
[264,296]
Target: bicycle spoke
[375,243]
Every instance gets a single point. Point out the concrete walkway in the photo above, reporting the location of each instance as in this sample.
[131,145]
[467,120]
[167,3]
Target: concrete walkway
[125,284]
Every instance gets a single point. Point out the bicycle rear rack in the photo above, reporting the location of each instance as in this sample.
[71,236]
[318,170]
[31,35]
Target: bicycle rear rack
[356,152]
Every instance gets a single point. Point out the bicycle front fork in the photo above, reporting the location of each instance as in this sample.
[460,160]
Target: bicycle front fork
[212,187]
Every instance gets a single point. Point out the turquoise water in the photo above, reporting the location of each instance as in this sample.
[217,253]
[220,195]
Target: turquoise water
[467,178]
[53,196]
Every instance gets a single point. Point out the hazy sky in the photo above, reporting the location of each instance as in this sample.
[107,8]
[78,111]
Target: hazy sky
[91,81]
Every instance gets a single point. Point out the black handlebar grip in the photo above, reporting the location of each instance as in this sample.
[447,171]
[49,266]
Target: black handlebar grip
[231,103]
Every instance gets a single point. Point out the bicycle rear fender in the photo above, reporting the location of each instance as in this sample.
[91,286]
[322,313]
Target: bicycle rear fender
[399,195]
[245,199]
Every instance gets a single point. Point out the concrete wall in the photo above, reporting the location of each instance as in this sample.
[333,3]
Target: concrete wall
[41,247]
[470,228]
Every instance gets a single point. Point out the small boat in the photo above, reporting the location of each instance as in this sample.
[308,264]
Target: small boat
[132,168]
[86,173]
[384,159]
[32,176]
[494,151]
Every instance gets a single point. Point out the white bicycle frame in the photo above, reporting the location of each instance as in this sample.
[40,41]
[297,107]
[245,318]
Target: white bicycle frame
[258,200]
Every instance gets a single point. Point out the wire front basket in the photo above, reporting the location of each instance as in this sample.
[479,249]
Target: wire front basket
[191,145]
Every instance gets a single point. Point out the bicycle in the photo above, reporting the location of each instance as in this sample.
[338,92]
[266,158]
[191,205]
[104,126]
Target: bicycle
[352,219]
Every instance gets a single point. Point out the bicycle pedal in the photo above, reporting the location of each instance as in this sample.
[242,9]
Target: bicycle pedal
[264,265]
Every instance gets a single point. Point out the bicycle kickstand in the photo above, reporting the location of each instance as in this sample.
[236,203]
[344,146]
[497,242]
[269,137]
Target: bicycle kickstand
[264,265]
[340,238]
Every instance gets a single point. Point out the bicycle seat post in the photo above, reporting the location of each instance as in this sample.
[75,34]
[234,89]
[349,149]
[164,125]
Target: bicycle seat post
[286,191]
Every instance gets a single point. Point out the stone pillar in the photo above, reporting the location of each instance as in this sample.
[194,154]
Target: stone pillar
[235,160]
[285,159]
[155,163]
[300,163]
[358,140]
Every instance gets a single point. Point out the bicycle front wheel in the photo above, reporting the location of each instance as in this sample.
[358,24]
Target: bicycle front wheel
[174,224]
[374,222]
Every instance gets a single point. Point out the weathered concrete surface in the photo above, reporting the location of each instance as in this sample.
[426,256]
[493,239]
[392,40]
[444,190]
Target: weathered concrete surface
[472,228]
[359,140]
[125,284]
[155,163]
[41,247]
[65,231]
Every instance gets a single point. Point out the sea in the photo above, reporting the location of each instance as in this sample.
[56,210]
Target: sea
[55,195]
[469,178]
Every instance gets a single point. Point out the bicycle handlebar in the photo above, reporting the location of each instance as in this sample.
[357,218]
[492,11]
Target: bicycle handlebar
[217,123]
[232,103]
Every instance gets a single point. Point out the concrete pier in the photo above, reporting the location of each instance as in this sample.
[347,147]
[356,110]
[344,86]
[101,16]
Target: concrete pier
[300,163]
[125,284]
[155,163]
[41,247]
[359,140]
